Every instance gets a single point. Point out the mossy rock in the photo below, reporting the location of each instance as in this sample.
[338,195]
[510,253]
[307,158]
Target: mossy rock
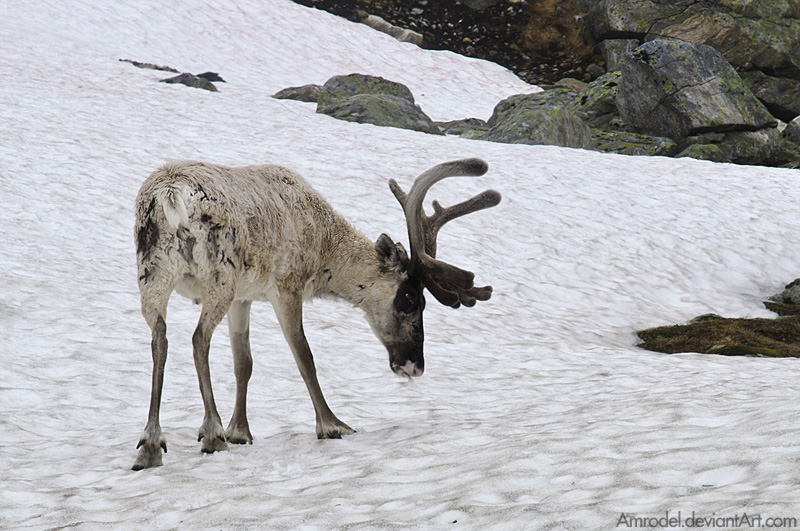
[308,93]
[473,128]
[710,152]
[340,88]
[780,95]
[764,33]
[384,110]
[674,88]
[752,147]
[556,97]
[626,143]
[545,118]
[596,103]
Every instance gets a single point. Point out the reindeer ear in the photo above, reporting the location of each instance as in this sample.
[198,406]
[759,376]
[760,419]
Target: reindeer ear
[391,255]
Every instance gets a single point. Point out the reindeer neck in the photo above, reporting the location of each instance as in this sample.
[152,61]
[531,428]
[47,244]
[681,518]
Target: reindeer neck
[352,270]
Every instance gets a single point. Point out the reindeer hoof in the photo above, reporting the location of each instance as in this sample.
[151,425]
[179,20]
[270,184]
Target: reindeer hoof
[238,436]
[149,455]
[213,444]
[334,431]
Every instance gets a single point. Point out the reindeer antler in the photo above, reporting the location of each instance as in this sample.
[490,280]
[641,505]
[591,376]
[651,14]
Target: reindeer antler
[450,285]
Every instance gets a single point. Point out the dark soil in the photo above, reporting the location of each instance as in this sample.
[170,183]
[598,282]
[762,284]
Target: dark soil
[540,41]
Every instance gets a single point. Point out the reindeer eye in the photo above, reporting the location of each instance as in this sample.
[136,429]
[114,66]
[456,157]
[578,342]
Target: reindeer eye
[406,301]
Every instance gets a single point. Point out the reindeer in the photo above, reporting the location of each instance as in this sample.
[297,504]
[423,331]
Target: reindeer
[228,236]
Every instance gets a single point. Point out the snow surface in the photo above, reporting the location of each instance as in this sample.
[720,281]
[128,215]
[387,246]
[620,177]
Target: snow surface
[537,410]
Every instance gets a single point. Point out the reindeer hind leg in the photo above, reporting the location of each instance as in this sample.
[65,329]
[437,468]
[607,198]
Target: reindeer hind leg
[238,430]
[216,303]
[154,309]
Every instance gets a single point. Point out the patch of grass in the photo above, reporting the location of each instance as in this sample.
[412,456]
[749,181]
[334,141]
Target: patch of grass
[712,334]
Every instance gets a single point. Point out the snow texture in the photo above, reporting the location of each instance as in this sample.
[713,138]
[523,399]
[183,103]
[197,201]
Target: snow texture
[537,410]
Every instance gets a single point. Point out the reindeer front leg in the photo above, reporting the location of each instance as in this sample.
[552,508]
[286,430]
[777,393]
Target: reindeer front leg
[290,316]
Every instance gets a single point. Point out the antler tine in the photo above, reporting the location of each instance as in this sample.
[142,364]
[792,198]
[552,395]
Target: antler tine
[416,220]
[441,215]
[450,285]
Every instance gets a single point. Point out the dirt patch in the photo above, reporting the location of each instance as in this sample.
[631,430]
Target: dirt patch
[540,41]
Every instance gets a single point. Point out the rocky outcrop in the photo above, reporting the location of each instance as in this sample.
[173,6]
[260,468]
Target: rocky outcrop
[761,39]
[671,98]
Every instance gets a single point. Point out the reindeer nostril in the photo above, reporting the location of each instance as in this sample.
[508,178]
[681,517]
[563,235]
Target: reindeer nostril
[411,369]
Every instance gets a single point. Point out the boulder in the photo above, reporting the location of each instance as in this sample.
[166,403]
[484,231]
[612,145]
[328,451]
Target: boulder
[212,76]
[545,118]
[382,109]
[340,88]
[780,95]
[191,80]
[633,143]
[474,128]
[614,50]
[710,152]
[753,147]
[308,93]
[570,83]
[791,133]
[765,33]
[374,100]
[596,104]
[789,295]
[674,88]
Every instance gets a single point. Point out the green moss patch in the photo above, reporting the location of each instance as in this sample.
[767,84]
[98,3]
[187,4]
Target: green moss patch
[712,334]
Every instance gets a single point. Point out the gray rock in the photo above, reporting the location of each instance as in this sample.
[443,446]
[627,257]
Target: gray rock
[626,143]
[780,95]
[570,83]
[190,80]
[381,109]
[479,5]
[675,89]
[791,133]
[375,100]
[764,33]
[596,103]
[150,66]
[212,76]
[339,88]
[594,71]
[307,93]
[473,128]
[789,295]
[613,51]
[546,118]
[710,152]
[401,34]
[752,147]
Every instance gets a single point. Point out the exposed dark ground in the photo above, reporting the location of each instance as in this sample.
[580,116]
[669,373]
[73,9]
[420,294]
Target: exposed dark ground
[541,41]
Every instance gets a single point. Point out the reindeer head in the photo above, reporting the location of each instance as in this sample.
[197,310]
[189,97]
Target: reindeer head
[399,327]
